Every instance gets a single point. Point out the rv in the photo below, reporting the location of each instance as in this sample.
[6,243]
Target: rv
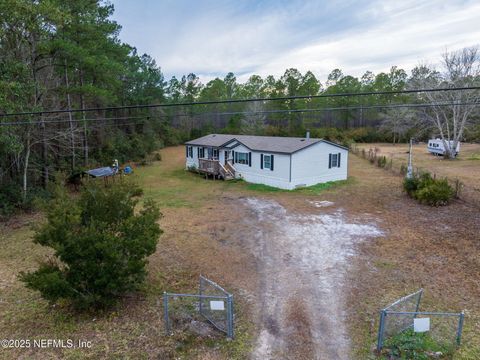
[437,147]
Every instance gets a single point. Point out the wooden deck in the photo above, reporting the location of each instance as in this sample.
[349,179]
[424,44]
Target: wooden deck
[215,168]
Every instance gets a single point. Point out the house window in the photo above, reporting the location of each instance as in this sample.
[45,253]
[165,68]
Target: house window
[242,158]
[334,160]
[267,161]
[215,153]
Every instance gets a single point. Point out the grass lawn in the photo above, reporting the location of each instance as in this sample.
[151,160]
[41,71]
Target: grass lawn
[437,249]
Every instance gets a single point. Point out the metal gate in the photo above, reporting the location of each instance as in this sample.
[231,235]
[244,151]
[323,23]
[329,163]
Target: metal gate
[212,303]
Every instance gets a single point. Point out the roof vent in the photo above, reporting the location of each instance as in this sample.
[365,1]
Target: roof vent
[214,135]
[302,139]
[308,135]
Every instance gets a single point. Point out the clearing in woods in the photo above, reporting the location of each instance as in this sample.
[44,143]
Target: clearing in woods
[309,269]
[466,167]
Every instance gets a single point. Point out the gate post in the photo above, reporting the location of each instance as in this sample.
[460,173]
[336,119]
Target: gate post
[230,316]
[460,327]
[200,300]
[165,313]
[381,328]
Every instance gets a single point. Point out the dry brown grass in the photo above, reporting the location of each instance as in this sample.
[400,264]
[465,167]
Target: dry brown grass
[434,248]
[465,168]
[195,217]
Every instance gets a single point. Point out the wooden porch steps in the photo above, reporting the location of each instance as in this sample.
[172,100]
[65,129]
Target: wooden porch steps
[216,168]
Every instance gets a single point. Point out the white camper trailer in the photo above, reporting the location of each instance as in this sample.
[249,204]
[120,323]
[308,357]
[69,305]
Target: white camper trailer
[436,147]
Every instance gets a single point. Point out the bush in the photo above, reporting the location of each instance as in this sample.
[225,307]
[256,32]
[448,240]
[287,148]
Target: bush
[101,244]
[10,199]
[437,193]
[427,190]
[381,161]
[410,185]
[415,346]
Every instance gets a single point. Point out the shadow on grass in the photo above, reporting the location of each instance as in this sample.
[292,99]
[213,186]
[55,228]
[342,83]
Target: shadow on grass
[309,190]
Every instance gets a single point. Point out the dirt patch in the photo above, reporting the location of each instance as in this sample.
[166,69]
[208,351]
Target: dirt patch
[302,261]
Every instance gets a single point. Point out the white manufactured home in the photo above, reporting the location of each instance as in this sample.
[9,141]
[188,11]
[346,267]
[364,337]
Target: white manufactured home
[283,162]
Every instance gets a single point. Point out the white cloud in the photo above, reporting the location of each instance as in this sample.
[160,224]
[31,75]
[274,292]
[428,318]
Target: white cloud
[268,38]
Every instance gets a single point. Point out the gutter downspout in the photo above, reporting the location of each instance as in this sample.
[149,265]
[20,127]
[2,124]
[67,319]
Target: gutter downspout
[290,174]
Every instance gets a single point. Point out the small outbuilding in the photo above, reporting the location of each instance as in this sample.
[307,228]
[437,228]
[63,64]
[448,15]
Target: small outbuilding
[283,162]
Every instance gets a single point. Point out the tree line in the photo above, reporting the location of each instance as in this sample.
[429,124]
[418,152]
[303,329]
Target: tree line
[67,55]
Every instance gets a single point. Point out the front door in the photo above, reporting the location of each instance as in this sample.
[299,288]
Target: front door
[227,155]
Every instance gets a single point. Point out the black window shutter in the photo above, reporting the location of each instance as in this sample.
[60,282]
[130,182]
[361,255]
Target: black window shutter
[250,159]
[198,152]
[261,161]
[338,162]
[271,162]
[186,148]
[329,161]
[236,158]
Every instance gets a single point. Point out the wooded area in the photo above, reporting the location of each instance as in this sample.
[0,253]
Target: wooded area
[68,55]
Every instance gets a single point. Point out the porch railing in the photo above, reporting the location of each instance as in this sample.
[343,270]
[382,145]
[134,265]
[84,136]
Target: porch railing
[208,165]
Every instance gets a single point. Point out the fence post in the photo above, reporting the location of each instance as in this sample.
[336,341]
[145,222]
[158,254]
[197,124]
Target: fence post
[165,313]
[418,303]
[230,316]
[460,327]
[200,300]
[381,328]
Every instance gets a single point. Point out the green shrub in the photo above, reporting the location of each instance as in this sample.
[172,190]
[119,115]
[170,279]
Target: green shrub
[10,199]
[101,244]
[437,193]
[415,346]
[427,190]
[410,185]
[382,161]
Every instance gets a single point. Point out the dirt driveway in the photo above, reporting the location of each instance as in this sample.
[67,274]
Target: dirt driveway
[302,260]
[311,270]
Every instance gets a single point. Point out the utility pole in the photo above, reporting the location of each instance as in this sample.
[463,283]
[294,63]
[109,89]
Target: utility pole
[409,167]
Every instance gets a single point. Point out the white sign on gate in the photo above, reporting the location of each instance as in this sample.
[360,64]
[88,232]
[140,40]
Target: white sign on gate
[217,305]
[421,324]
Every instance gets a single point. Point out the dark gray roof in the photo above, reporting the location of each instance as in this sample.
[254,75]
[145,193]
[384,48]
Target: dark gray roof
[216,140]
[276,144]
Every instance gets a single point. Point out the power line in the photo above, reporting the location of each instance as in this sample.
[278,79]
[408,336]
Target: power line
[233,101]
[307,110]
[73,120]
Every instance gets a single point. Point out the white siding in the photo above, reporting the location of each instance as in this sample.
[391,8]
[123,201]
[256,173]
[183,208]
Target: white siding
[192,161]
[278,177]
[310,165]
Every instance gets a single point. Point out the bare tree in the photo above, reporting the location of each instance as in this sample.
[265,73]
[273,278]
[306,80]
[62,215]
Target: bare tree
[398,121]
[253,119]
[459,69]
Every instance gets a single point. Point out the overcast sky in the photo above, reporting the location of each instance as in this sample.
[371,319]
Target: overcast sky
[211,38]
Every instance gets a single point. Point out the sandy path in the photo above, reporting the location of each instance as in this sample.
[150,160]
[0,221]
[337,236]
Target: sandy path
[302,260]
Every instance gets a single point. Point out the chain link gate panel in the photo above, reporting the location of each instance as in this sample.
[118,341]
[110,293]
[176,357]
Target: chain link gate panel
[212,303]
